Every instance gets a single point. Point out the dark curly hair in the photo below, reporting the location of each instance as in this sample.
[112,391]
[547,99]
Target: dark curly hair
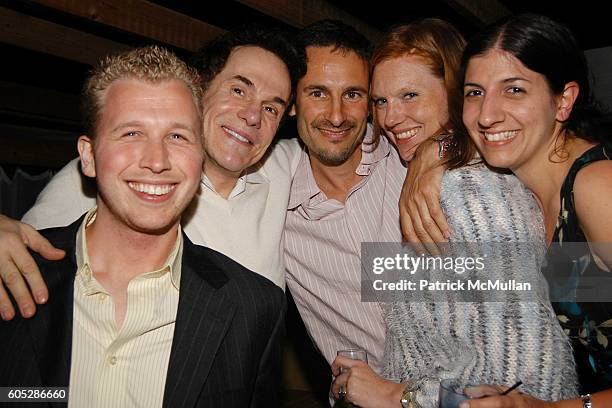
[212,57]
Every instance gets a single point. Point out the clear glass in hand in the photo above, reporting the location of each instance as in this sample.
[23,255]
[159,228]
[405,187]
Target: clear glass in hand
[354,354]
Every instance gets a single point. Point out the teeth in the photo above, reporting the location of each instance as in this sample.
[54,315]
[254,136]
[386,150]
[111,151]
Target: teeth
[236,135]
[499,136]
[152,189]
[334,131]
[407,134]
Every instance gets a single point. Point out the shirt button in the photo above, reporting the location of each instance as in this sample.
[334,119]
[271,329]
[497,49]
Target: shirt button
[102,297]
[113,360]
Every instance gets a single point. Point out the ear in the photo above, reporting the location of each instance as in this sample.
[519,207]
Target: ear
[566,100]
[292,110]
[88,163]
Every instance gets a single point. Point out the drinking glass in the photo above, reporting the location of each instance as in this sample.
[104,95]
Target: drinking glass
[451,393]
[354,354]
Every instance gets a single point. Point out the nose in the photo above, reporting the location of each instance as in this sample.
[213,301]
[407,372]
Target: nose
[491,111]
[392,116]
[155,156]
[335,113]
[251,114]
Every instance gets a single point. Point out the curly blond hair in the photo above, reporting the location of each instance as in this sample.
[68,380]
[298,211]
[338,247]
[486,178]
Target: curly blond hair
[153,64]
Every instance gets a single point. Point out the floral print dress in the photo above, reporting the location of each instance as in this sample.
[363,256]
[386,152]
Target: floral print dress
[570,267]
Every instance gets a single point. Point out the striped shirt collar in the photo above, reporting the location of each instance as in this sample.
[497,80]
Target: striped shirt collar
[172,263]
[304,187]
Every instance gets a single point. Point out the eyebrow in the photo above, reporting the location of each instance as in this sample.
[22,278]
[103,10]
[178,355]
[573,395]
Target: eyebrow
[179,125]
[244,80]
[357,88]
[250,83]
[315,87]
[512,79]
[516,79]
[404,89]
[324,88]
[135,123]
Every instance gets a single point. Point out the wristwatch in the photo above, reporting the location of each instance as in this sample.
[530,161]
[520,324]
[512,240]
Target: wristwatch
[409,397]
[586,401]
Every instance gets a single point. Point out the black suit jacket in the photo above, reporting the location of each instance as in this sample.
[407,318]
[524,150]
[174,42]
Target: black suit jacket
[226,345]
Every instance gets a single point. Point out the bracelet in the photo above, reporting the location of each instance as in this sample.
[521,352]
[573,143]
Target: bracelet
[409,396]
[586,401]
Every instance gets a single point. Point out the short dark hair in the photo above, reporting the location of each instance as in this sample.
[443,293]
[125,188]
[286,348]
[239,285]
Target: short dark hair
[333,33]
[550,49]
[212,57]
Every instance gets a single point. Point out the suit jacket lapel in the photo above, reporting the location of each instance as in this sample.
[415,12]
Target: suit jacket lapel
[51,328]
[204,315]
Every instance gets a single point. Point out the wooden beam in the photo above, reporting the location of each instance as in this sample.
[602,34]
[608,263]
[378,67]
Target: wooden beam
[40,35]
[143,18]
[36,103]
[480,12]
[300,13]
[36,147]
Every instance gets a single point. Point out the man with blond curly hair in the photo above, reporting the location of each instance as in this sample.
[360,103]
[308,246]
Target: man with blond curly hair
[140,315]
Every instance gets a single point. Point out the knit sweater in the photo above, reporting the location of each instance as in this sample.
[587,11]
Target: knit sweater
[484,342]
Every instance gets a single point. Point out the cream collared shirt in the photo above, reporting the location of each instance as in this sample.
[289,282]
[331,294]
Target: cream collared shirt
[246,227]
[124,367]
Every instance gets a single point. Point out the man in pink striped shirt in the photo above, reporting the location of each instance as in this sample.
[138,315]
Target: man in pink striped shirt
[345,192]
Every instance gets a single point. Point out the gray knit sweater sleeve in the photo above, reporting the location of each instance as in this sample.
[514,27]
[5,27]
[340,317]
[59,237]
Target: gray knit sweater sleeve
[484,342]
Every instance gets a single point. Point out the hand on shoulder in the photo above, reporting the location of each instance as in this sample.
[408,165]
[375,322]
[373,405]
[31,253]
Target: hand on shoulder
[18,271]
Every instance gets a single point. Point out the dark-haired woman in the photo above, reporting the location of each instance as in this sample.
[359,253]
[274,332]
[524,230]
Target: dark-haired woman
[528,108]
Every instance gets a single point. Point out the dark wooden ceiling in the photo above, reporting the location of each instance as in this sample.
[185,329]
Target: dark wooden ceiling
[47,46]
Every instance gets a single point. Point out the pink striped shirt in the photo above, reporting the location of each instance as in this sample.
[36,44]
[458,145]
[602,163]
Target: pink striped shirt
[322,252]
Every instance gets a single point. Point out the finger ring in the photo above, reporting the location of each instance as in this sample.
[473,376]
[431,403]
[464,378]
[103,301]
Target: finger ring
[342,392]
